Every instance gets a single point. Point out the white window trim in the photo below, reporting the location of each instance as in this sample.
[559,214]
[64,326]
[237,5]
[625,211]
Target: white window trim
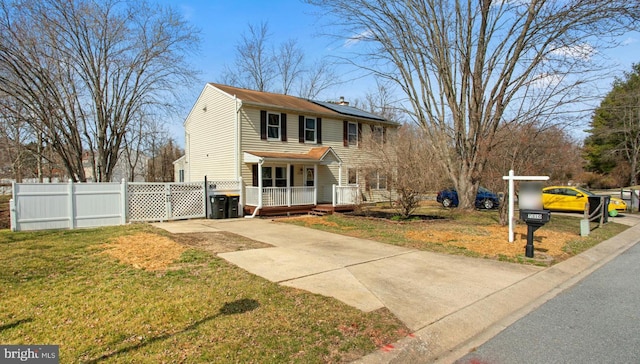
[378,134]
[355,170]
[377,178]
[315,130]
[274,177]
[279,127]
[355,144]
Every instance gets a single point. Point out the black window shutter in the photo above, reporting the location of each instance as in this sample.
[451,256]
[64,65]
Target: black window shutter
[319,130]
[301,128]
[283,126]
[384,134]
[263,125]
[254,174]
[291,173]
[359,134]
[345,133]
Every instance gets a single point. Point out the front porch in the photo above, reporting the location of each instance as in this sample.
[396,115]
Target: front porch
[320,209]
[297,200]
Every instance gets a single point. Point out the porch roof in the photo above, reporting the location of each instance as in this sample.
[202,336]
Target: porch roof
[320,155]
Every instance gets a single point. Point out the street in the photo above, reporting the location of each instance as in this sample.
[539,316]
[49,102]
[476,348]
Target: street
[595,321]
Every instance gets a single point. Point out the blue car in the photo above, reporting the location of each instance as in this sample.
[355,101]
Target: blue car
[485,199]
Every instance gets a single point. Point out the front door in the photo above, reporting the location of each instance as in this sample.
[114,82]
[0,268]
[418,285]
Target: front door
[308,176]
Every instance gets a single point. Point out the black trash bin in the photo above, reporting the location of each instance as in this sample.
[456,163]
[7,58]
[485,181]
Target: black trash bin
[594,203]
[232,206]
[218,207]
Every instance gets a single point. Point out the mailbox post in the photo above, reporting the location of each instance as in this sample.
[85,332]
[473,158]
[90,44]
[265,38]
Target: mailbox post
[534,220]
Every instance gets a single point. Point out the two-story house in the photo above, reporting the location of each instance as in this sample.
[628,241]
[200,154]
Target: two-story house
[289,153]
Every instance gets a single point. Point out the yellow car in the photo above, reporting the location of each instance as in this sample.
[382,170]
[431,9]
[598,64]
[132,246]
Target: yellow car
[566,198]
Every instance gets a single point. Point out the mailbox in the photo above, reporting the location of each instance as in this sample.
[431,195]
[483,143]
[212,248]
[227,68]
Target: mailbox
[535,217]
[534,220]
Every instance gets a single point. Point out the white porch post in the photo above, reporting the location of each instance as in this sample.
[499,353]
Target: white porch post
[340,174]
[260,183]
[288,184]
[315,184]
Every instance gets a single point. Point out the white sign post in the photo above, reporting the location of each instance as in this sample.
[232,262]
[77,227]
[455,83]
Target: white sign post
[511,178]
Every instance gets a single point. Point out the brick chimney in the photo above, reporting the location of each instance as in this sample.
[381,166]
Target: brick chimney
[342,102]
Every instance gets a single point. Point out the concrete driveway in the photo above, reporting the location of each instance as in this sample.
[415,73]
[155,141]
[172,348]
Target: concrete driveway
[446,300]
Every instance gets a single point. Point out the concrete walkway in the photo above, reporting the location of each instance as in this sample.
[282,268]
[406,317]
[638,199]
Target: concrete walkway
[449,302]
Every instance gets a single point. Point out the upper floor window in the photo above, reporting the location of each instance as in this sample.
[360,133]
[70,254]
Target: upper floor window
[378,134]
[273,127]
[310,130]
[352,134]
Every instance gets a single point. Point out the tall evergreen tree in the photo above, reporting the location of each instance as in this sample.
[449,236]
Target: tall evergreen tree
[613,145]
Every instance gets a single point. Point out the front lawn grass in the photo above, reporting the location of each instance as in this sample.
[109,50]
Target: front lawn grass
[59,287]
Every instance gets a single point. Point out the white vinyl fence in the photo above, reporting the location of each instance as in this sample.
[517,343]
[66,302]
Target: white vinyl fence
[40,206]
[37,206]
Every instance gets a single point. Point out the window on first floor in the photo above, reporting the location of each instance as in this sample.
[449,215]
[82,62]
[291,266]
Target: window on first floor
[274,177]
[352,176]
[181,175]
[377,181]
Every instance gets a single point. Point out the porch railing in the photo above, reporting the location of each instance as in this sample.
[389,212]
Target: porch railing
[345,195]
[281,196]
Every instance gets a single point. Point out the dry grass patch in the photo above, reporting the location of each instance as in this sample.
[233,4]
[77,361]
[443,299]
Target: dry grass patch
[474,234]
[313,220]
[145,251]
[491,241]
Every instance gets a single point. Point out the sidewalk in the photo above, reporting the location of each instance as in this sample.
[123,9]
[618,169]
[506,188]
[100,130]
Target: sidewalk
[451,303]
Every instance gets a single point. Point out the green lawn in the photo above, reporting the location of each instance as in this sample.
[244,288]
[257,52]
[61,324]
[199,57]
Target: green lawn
[56,287]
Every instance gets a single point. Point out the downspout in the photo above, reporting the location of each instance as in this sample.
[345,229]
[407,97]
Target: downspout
[237,133]
[255,212]
[238,130]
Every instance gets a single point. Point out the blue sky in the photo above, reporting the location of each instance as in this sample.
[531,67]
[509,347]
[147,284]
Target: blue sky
[223,22]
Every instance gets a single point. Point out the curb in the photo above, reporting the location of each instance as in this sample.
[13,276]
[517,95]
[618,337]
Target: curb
[453,336]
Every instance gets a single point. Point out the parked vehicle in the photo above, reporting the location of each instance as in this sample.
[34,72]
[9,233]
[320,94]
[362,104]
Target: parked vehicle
[485,199]
[567,198]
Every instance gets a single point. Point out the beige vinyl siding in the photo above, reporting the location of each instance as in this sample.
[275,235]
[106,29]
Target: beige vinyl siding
[332,136]
[210,140]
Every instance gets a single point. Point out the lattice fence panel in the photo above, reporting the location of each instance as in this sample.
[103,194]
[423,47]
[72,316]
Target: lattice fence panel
[187,200]
[147,202]
[231,186]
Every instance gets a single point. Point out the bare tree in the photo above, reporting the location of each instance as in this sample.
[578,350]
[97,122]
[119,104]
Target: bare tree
[289,60]
[468,66]
[531,149]
[404,166]
[254,66]
[85,69]
[263,67]
[319,77]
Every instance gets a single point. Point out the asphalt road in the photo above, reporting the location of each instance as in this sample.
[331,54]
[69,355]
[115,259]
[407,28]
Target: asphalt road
[595,321]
